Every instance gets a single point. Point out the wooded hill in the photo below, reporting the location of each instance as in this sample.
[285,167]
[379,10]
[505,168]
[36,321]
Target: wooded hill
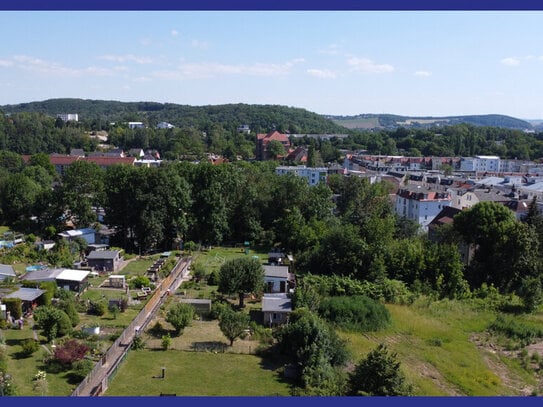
[260,118]
[379,121]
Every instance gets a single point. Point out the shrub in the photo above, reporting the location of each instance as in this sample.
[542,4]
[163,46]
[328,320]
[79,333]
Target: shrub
[514,328]
[180,316]
[97,308]
[29,347]
[166,342]
[356,313]
[140,281]
[70,351]
[213,278]
[138,343]
[379,374]
[14,306]
[53,321]
[81,368]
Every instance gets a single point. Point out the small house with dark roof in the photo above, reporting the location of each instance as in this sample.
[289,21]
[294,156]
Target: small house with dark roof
[276,309]
[105,260]
[28,296]
[7,271]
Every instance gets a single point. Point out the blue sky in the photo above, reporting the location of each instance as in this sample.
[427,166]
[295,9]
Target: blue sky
[328,62]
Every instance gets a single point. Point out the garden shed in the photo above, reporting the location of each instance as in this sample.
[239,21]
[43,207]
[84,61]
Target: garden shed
[7,271]
[201,306]
[28,296]
[117,281]
[276,309]
[73,280]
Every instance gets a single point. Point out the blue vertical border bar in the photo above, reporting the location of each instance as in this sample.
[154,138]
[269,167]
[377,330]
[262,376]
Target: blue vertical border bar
[225,5]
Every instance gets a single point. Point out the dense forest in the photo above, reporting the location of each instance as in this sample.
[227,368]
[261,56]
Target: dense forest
[213,129]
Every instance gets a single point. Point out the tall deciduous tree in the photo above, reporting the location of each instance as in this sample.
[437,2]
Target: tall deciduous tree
[241,276]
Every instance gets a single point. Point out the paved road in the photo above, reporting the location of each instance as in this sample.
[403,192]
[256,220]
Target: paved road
[98,382]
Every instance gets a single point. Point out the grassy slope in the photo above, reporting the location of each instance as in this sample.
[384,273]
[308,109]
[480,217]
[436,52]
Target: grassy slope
[434,346]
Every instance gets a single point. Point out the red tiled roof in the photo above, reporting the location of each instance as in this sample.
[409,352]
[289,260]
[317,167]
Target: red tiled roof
[63,159]
[272,135]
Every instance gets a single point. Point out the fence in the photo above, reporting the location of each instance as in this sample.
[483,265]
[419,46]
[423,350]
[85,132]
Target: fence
[137,325]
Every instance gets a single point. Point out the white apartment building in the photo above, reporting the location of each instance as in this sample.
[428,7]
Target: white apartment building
[314,176]
[420,204]
[481,163]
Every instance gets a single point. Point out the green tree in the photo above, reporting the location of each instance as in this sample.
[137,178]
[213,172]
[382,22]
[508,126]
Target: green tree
[241,276]
[233,324]
[180,316]
[275,149]
[379,374]
[82,189]
[506,250]
[54,322]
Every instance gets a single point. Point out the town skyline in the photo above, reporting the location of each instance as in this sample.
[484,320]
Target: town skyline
[413,63]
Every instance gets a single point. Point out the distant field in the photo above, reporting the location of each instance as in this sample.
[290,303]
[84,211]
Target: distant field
[214,258]
[368,123]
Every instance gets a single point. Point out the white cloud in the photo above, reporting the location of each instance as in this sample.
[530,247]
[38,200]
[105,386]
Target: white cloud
[423,74]
[332,49]
[511,61]
[5,62]
[368,66]
[199,44]
[43,67]
[322,73]
[174,33]
[126,58]
[145,41]
[213,69]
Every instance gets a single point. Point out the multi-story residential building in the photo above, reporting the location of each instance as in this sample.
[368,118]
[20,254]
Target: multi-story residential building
[420,204]
[314,176]
[481,163]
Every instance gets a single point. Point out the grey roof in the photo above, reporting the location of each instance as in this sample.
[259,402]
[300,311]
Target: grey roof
[26,294]
[42,275]
[276,271]
[7,270]
[276,304]
[103,255]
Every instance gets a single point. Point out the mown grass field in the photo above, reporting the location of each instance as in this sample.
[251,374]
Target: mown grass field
[195,374]
[22,369]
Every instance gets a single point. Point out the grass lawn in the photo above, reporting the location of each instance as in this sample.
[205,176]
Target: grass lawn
[195,374]
[22,369]
[214,258]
